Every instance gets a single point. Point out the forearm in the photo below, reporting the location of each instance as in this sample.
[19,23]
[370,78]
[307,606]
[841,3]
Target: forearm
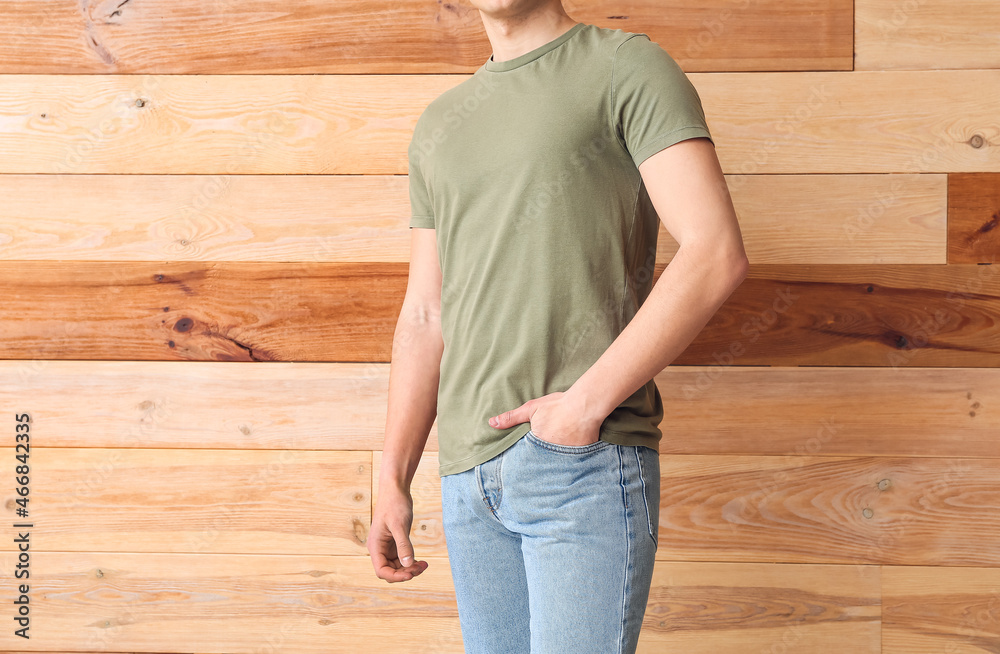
[412,405]
[682,301]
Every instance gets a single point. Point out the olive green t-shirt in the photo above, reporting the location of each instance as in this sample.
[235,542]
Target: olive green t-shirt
[546,236]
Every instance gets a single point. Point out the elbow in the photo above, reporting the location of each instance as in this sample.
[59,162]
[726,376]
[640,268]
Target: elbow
[734,266]
[739,266]
[729,265]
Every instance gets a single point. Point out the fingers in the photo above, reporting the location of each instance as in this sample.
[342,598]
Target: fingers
[392,573]
[383,549]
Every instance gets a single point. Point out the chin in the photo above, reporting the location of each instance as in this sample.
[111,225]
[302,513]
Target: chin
[502,8]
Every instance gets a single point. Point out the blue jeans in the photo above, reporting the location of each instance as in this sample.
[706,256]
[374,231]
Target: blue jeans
[551,547]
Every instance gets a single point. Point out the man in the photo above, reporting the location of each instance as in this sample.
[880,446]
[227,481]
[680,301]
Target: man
[531,329]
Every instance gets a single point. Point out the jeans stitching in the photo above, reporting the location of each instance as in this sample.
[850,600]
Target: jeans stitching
[482,489]
[499,482]
[553,447]
[628,552]
[642,477]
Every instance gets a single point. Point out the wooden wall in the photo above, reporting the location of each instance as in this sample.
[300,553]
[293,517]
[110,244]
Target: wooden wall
[203,250]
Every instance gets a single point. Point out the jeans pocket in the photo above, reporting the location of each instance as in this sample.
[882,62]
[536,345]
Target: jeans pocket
[565,449]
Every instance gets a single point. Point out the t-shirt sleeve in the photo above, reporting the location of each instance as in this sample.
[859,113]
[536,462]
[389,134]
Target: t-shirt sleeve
[421,210]
[654,104]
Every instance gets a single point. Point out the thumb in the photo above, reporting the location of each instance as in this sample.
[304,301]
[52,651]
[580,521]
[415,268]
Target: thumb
[404,551]
[510,418]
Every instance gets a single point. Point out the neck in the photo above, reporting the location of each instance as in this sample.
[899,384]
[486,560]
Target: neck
[514,34]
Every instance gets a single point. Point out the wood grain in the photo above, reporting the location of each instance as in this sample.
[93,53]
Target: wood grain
[830,411]
[406,36]
[735,608]
[714,409]
[317,218]
[195,405]
[885,315]
[926,34]
[927,610]
[868,510]
[212,603]
[973,218]
[197,311]
[862,315]
[305,218]
[224,501]
[763,123]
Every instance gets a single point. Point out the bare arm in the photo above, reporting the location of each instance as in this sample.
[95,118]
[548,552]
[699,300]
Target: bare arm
[414,374]
[689,192]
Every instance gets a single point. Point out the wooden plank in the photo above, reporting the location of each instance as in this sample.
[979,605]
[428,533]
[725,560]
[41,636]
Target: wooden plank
[195,404]
[222,603]
[821,411]
[735,608]
[307,218]
[872,315]
[797,509]
[926,34]
[820,218]
[927,610]
[408,36]
[736,35]
[830,411]
[856,121]
[877,219]
[124,602]
[197,500]
[200,312]
[802,509]
[942,316]
[973,218]
[763,123]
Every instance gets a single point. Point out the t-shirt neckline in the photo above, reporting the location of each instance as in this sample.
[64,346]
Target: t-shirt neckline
[531,55]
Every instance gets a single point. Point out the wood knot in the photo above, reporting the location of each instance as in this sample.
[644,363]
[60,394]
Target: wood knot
[990,224]
[977,141]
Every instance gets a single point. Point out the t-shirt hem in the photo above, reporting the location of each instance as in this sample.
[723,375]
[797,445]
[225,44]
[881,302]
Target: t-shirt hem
[609,435]
[664,141]
[630,438]
[455,467]
[422,221]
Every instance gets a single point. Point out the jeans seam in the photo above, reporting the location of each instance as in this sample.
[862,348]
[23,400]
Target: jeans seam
[628,552]
[499,482]
[482,489]
[642,478]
